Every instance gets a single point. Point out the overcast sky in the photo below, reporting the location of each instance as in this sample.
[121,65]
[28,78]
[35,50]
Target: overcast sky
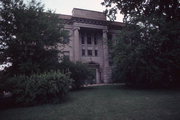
[66,6]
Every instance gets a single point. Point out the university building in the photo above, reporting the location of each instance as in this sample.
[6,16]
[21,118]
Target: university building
[90,34]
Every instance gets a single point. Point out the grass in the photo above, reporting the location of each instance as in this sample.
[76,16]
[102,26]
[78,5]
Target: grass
[105,103]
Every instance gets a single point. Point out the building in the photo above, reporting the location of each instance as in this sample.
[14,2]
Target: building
[90,33]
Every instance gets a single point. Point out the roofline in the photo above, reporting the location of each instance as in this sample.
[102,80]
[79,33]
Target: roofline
[63,14]
[87,10]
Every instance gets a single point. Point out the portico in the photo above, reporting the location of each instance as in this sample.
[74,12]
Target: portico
[89,41]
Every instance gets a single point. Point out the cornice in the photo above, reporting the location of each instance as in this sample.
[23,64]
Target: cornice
[110,24]
[89,21]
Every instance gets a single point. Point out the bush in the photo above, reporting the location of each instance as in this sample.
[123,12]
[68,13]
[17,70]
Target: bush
[48,87]
[80,72]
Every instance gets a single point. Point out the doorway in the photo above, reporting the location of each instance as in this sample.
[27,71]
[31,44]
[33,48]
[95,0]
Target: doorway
[95,73]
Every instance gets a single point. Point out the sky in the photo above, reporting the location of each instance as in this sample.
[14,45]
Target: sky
[66,6]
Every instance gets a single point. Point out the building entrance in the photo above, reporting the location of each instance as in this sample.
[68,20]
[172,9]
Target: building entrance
[96,77]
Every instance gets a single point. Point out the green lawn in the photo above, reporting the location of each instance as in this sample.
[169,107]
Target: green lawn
[105,103]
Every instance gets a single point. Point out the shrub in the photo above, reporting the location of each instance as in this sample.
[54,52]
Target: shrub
[48,87]
[80,72]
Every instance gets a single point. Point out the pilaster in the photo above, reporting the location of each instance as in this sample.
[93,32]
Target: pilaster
[76,41]
[105,57]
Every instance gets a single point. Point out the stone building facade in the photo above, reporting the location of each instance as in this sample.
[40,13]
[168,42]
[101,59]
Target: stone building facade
[90,33]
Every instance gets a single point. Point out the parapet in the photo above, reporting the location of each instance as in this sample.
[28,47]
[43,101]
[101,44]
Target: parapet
[89,14]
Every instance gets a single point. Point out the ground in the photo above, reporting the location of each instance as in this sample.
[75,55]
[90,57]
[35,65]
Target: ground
[105,103]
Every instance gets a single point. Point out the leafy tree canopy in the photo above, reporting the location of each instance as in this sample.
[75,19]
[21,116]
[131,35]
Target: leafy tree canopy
[148,48]
[28,33]
[137,8]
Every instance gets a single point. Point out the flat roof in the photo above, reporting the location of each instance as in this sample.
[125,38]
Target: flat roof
[90,14]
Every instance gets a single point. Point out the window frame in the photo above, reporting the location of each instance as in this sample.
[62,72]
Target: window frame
[90,53]
[89,41]
[95,39]
[83,52]
[82,39]
[96,53]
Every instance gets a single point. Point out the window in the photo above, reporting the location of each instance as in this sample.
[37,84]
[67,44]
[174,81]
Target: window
[95,39]
[96,53]
[66,58]
[89,52]
[82,39]
[65,39]
[66,55]
[83,52]
[89,39]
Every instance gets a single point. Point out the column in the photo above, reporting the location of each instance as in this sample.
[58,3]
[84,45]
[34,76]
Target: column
[76,46]
[97,76]
[105,58]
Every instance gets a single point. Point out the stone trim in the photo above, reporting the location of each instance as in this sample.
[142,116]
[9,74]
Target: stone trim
[110,24]
[89,26]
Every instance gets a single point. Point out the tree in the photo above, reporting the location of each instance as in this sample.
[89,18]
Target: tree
[79,72]
[148,48]
[29,37]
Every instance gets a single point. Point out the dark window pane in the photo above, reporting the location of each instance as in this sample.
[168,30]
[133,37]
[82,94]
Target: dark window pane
[82,39]
[89,52]
[95,39]
[88,39]
[66,58]
[96,53]
[66,55]
[65,39]
[83,52]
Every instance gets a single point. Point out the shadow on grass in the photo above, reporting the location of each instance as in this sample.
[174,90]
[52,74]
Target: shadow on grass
[9,103]
[71,96]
